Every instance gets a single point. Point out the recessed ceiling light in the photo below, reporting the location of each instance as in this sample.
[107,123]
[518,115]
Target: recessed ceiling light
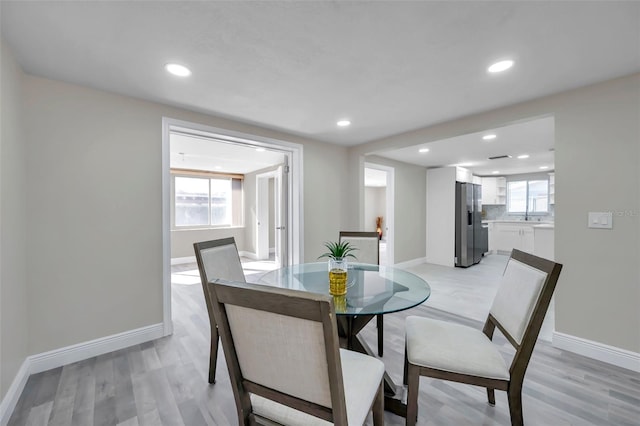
[500,66]
[260,149]
[218,167]
[177,69]
[495,172]
[523,156]
[423,150]
[544,167]
[343,123]
[489,137]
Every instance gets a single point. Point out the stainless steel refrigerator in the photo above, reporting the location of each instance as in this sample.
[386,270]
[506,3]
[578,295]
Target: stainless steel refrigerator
[471,236]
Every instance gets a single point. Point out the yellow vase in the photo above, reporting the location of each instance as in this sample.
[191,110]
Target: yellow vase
[338,276]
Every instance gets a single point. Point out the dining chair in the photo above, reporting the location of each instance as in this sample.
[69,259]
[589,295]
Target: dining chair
[217,259]
[284,359]
[368,245]
[458,353]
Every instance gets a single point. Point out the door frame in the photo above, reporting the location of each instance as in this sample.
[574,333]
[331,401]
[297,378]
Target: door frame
[294,215]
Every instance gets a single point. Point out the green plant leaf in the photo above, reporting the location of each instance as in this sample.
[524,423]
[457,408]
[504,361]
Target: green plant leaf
[338,250]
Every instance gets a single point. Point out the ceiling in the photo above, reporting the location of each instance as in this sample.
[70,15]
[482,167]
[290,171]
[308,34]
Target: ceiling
[199,153]
[533,138]
[299,66]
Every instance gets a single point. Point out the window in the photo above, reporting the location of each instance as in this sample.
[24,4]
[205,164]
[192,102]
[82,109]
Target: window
[528,196]
[207,201]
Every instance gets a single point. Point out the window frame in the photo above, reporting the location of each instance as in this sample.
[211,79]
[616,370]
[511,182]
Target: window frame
[527,183]
[206,175]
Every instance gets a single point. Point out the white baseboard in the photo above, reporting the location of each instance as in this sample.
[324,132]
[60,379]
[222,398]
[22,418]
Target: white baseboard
[248,255]
[181,260]
[10,400]
[598,351]
[410,263]
[58,357]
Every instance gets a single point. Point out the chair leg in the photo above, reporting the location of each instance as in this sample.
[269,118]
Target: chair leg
[406,367]
[491,395]
[378,407]
[213,356]
[379,323]
[412,395]
[515,406]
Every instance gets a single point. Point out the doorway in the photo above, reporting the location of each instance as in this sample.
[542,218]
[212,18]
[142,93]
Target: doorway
[271,208]
[379,207]
[209,151]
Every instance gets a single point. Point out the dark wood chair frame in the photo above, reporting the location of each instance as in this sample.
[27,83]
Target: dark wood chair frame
[204,279]
[298,304]
[379,318]
[520,361]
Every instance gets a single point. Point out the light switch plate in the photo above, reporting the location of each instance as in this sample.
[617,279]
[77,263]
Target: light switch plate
[600,220]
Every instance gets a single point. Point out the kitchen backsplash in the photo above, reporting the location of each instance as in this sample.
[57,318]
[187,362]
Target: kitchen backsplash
[499,212]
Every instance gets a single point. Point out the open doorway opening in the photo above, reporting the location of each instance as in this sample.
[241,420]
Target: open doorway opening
[379,207]
[219,184]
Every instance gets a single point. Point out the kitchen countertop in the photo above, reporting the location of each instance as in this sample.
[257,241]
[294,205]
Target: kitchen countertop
[545,226]
[524,222]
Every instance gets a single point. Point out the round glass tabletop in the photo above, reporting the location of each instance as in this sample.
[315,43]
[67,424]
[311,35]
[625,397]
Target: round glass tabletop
[371,289]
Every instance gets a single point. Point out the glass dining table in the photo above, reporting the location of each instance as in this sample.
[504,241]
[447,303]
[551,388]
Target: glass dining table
[371,290]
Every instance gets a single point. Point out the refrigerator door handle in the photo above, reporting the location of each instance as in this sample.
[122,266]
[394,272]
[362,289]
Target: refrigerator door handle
[469,218]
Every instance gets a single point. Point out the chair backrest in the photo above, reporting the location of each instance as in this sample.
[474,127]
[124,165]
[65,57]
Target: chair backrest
[367,243]
[217,259]
[282,345]
[521,303]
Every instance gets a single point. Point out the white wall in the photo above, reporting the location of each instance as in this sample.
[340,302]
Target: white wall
[14,321]
[95,162]
[182,240]
[325,199]
[597,163]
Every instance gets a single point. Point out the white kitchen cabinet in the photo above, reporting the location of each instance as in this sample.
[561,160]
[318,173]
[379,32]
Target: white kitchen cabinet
[552,188]
[494,190]
[464,175]
[543,241]
[492,237]
[510,235]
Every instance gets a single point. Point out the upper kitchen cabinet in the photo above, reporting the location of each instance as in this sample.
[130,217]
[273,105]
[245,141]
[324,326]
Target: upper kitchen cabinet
[494,190]
[552,188]
[464,175]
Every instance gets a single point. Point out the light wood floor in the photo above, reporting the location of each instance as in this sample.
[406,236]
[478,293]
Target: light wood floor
[164,382]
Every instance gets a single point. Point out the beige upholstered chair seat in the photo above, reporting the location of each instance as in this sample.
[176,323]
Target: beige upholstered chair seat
[459,349]
[361,375]
[463,354]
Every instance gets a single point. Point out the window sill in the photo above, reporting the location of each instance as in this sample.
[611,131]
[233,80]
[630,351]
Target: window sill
[207,228]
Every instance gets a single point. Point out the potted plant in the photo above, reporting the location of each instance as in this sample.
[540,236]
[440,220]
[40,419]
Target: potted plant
[338,254]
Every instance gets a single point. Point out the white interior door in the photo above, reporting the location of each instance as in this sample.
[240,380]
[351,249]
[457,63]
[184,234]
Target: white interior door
[262,215]
[281,207]
[280,219]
